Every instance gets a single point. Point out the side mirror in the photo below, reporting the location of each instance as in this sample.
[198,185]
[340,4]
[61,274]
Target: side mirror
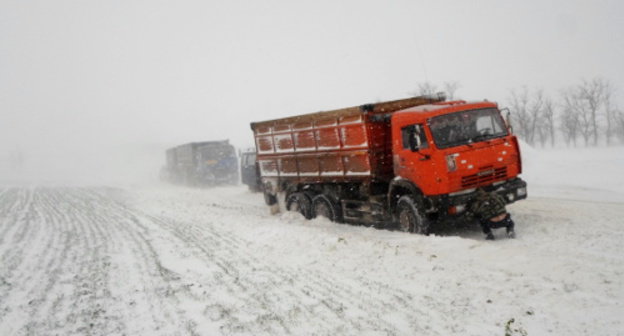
[415,142]
[413,138]
[417,139]
[507,119]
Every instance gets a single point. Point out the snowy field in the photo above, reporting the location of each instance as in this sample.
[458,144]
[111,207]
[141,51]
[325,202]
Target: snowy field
[162,260]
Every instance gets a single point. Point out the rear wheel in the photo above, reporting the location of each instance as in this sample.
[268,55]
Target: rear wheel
[411,217]
[324,206]
[300,203]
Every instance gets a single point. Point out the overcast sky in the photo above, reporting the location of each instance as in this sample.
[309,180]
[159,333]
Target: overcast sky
[82,75]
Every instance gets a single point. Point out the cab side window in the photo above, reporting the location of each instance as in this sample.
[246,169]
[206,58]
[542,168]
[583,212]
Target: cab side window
[413,137]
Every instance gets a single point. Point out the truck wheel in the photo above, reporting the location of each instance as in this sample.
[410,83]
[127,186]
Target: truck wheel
[410,217]
[300,203]
[323,206]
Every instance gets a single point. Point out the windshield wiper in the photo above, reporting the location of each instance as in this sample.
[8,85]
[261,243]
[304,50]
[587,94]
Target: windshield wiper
[487,136]
[458,143]
[470,141]
[480,137]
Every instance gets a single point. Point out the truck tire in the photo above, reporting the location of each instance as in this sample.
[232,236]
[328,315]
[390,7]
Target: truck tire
[299,202]
[411,217]
[324,206]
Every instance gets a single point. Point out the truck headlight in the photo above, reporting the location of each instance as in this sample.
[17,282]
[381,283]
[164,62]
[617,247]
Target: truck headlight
[521,192]
[450,162]
[457,209]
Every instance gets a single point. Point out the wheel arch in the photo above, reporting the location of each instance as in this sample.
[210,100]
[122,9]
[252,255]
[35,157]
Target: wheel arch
[332,203]
[399,188]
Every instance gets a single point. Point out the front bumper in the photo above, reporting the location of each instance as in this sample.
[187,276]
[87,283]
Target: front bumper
[455,205]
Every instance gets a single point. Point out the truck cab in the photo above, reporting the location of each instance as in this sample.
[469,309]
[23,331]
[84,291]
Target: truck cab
[443,152]
[250,175]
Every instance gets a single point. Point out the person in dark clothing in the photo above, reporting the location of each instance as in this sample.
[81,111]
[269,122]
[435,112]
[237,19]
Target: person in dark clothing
[489,209]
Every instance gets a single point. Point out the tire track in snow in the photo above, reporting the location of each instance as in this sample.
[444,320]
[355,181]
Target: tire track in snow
[90,289]
[103,267]
[64,287]
[15,241]
[69,279]
[329,298]
[16,210]
[227,277]
[156,295]
[333,287]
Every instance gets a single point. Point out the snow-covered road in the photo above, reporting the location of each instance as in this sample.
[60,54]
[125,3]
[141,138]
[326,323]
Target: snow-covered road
[175,261]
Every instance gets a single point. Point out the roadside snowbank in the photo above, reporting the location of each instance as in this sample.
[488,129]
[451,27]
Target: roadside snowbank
[592,174]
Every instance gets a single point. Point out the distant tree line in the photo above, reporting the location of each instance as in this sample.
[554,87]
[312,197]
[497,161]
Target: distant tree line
[428,88]
[584,112]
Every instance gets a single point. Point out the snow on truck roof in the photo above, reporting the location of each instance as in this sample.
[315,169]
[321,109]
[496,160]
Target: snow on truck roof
[374,108]
[431,110]
[202,143]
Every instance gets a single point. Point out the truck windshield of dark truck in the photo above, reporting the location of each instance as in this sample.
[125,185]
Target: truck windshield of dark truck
[465,127]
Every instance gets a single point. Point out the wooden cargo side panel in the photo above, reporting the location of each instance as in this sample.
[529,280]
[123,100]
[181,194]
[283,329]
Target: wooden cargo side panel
[355,146]
[268,167]
[327,139]
[283,139]
[304,137]
[264,144]
[288,166]
[353,132]
[264,140]
[356,163]
[331,148]
[331,165]
[308,165]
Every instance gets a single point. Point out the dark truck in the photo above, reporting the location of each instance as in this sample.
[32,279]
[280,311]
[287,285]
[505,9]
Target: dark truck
[413,162]
[250,174]
[205,163]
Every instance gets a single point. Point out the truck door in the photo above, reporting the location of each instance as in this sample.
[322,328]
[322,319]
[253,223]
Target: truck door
[412,150]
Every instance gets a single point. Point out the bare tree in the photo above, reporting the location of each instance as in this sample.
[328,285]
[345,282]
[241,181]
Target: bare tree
[546,122]
[549,114]
[593,94]
[571,117]
[427,88]
[535,107]
[519,102]
[541,132]
[610,112]
[450,88]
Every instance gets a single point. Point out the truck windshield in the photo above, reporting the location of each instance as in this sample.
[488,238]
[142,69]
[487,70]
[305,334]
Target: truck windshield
[467,127]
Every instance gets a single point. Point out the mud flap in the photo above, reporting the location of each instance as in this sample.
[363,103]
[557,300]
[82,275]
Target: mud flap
[274,209]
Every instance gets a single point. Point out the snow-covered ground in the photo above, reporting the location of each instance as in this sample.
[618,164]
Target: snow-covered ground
[163,260]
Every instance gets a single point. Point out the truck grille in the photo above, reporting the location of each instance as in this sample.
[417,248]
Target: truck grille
[486,175]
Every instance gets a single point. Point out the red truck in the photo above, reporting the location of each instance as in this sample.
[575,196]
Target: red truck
[408,163]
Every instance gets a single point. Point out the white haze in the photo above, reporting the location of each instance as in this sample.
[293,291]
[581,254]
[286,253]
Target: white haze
[94,91]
